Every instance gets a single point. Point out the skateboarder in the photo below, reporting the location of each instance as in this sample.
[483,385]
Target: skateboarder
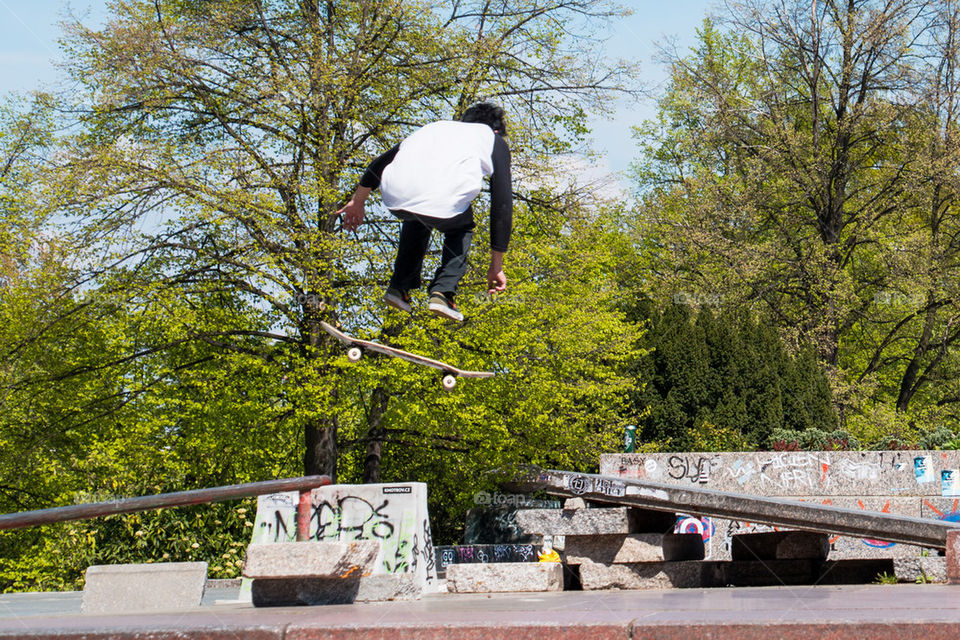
[428,181]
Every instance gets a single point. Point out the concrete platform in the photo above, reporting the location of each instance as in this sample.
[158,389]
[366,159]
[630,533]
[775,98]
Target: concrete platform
[875,612]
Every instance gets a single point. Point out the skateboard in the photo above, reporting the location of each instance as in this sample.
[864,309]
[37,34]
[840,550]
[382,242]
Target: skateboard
[356,347]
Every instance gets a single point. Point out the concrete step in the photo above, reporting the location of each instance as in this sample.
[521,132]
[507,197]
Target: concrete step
[141,588]
[636,547]
[505,577]
[603,521]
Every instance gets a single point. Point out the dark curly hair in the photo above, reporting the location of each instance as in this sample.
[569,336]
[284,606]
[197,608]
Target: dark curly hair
[488,114]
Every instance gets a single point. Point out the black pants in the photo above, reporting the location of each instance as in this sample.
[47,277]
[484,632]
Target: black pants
[415,233]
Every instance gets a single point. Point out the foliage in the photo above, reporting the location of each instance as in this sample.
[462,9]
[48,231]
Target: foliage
[724,381]
[886,578]
[168,249]
[180,249]
[231,132]
[812,440]
[803,164]
[561,350]
[55,557]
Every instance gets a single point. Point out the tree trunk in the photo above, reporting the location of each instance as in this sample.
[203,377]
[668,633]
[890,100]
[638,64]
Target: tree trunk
[371,463]
[909,384]
[320,457]
[319,435]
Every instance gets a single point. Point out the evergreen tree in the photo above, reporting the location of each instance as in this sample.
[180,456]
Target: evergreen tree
[723,380]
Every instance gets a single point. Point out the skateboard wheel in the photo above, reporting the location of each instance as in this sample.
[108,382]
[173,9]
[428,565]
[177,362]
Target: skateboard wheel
[354,354]
[449,382]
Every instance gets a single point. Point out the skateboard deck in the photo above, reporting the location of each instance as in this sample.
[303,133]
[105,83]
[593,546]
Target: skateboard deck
[358,346]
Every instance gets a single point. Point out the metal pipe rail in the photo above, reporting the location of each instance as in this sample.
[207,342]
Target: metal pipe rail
[735,506]
[304,485]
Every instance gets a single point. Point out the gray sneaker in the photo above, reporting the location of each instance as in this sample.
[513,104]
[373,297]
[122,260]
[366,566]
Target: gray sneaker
[443,306]
[398,299]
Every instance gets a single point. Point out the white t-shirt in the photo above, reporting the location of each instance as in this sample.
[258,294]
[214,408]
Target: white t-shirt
[439,169]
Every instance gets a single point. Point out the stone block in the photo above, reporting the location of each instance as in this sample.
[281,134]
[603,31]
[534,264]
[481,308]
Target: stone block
[921,569]
[482,553]
[582,522]
[393,514]
[780,545]
[638,547]
[138,588]
[505,577]
[574,503]
[311,559]
[646,575]
[290,592]
[953,557]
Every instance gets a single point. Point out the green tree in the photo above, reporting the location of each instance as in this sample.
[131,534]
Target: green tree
[802,164]
[723,380]
[561,349]
[197,172]
[229,132]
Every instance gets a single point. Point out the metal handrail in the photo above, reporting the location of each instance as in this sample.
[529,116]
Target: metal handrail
[304,485]
[778,512]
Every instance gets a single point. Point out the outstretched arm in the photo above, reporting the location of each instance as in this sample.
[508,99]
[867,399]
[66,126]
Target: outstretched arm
[352,212]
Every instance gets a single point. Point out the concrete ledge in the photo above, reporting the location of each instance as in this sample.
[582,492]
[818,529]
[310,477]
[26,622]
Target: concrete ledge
[311,559]
[637,547]
[291,592]
[138,588]
[583,522]
[505,577]
[647,575]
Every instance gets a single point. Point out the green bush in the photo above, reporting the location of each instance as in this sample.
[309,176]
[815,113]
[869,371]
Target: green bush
[55,557]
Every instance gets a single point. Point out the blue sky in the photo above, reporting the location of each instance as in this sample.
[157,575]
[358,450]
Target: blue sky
[29,32]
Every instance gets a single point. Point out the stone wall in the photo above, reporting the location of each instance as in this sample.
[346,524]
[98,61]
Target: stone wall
[915,483]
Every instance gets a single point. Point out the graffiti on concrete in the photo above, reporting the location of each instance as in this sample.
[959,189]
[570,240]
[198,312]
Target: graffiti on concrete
[703,526]
[396,516]
[914,483]
[799,473]
[483,553]
[696,469]
[351,518]
[275,521]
